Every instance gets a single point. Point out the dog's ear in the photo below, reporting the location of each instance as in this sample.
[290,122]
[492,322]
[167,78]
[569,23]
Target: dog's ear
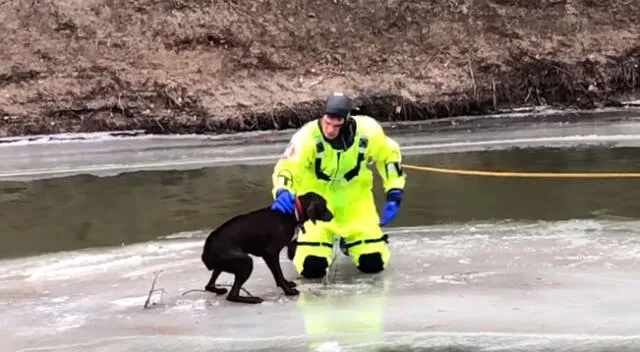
[312,211]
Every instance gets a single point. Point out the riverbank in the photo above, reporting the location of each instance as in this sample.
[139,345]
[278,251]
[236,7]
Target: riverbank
[200,67]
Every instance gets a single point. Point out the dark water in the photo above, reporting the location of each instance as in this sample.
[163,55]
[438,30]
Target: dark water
[86,211]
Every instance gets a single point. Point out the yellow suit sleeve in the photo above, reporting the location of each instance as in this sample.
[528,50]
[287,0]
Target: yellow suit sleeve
[386,154]
[294,163]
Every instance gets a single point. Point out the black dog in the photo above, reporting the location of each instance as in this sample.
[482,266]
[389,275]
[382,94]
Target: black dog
[263,233]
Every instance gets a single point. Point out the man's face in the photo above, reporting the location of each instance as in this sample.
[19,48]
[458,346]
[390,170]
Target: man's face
[331,126]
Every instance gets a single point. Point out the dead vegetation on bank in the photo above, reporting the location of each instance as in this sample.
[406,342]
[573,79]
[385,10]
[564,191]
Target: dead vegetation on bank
[172,66]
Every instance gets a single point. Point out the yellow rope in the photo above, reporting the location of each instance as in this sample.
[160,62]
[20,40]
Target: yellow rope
[525,174]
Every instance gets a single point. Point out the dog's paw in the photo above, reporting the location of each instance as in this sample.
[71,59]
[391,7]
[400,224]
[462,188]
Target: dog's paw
[291,284]
[242,299]
[216,290]
[291,292]
[253,300]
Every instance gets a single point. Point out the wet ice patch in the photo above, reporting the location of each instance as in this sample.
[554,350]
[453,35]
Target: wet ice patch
[627,251]
[329,346]
[462,278]
[60,299]
[161,247]
[185,235]
[128,302]
[69,321]
[144,272]
[577,259]
[81,265]
[193,305]
[133,261]
[54,321]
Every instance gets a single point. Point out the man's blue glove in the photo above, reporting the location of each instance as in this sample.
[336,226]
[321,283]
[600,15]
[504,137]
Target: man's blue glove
[391,207]
[284,202]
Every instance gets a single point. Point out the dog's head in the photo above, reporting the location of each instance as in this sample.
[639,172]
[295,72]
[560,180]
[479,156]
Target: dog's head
[314,208]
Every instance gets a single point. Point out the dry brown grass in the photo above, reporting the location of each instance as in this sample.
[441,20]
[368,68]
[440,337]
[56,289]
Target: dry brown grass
[190,65]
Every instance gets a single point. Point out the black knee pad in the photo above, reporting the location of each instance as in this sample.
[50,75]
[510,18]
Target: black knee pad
[370,263]
[314,267]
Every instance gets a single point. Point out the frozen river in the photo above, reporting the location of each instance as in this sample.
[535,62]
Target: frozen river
[478,264]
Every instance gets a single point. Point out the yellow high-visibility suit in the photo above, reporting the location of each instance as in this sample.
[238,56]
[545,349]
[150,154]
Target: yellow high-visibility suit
[343,177]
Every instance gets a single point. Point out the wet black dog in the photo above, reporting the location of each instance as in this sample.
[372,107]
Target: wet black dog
[263,233]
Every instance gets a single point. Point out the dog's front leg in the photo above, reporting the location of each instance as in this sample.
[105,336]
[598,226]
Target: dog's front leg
[273,262]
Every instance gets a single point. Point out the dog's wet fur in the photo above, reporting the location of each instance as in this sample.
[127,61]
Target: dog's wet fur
[262,233]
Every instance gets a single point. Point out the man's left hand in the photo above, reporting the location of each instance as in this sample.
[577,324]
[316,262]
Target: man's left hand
[391,207]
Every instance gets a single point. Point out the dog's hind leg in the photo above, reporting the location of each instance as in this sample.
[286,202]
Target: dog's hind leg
[242,268]
[211,286]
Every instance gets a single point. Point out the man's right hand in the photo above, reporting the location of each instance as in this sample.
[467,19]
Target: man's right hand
[284,202]
[391,207]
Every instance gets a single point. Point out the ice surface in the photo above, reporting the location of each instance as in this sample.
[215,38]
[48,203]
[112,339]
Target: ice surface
[504,286]
[28,158]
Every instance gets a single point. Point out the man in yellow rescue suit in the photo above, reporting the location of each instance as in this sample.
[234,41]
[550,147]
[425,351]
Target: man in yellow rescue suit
[330,156]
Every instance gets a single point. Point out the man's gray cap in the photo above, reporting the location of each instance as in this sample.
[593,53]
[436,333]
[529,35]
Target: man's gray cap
[338,104]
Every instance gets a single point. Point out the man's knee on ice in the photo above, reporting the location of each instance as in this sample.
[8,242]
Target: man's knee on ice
[314,267]
[370,263]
